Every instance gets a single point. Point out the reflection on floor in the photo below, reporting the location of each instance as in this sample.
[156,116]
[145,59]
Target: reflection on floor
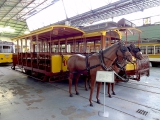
[24,98]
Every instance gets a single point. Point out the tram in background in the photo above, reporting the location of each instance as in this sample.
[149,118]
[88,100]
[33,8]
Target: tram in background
[51,47]
[152,49]
[6,51]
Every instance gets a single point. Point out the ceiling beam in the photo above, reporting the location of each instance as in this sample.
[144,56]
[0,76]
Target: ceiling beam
[10,9]
[19,11]
[3,4]
[31,9]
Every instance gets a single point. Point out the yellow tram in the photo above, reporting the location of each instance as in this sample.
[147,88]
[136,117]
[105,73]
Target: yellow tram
[51,47]
[6,51]
[152,49]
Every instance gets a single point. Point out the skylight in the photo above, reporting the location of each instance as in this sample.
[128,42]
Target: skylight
[62,10]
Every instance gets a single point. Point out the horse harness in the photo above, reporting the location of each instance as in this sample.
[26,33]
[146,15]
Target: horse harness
[101,58]
[116,62]
[134,50]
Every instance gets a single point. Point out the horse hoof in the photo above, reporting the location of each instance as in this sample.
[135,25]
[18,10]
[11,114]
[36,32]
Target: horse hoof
[71,95]
[98,101]
[113,93]
[91,105]
[109,96]
[86,89]
[77,93]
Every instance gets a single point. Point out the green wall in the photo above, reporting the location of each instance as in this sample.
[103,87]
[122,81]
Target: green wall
[148,33]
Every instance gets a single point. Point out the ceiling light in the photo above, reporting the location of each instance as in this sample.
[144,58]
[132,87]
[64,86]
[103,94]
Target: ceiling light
[7,29]
[26,32]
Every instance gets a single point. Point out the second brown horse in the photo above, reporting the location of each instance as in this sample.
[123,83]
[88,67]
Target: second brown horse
[78,64]
[136,52]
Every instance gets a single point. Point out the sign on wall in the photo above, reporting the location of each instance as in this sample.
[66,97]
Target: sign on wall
[147,21]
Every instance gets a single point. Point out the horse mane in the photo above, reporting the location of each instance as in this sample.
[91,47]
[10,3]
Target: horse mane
[110,47]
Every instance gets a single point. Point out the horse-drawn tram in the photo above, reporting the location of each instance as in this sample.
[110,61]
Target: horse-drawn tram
[59,52]
[49,51]
[62,52]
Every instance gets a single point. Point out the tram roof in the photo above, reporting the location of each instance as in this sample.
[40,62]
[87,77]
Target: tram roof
[129,30]
[56,32]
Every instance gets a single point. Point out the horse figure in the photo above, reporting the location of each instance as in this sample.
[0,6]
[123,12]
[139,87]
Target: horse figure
[78,64]
[135,51]
[117,67]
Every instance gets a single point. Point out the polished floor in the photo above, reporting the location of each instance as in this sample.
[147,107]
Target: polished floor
[24,98]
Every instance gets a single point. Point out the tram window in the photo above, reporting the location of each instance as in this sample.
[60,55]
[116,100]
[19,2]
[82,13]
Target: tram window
[92,49]
[97,48]
[157,49]
[150,50]
[88,49]
[77,48]
[143,49]
[0,49]
[81,48]
[12,49]
[56,49]
[62,49]
[7,49]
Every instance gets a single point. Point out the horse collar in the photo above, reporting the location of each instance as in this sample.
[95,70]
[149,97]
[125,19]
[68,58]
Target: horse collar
[101,57]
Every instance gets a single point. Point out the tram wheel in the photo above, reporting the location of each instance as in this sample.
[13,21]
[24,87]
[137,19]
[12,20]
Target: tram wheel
[154,64]
[13,67]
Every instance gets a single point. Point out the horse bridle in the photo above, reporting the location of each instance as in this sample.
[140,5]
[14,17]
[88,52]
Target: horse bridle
[123,49]
[135,50]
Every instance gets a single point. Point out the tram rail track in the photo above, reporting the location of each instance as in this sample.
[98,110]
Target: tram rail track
[143,84]
[117,97]
[156,109]
[114,96]
[138,89]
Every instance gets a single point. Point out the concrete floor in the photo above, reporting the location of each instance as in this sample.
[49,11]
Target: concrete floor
[24,98]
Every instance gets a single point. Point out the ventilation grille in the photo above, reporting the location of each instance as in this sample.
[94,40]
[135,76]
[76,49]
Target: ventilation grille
[143,112]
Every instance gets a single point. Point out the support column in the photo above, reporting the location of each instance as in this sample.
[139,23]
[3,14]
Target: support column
[66,45]
[74,49]
[31,44]
[126,37]
[25,44]
[103,40]
[18,46]
[85,45]
[58,45]
[94,49]
[21,46]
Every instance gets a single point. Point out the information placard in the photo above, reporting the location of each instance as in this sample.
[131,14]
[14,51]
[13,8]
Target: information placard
[105,76]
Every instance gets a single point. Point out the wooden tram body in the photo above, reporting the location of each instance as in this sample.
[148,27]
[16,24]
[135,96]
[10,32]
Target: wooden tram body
[51,47]
[46,59]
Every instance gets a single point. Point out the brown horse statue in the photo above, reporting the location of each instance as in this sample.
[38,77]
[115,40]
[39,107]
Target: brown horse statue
[78,64]
[136,52]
